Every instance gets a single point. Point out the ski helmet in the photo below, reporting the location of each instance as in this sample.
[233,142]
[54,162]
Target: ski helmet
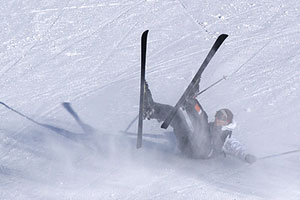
[225,115]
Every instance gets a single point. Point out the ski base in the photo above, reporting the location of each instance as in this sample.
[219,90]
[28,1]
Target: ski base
[142,89]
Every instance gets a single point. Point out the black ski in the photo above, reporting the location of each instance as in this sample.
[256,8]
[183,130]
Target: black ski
[195,80]
[142,88]
[86,128]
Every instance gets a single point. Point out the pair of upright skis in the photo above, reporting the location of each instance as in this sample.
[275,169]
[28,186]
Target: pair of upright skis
[186,93]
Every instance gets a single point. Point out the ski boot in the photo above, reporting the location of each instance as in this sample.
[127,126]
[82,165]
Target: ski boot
[148,103]
[190,100]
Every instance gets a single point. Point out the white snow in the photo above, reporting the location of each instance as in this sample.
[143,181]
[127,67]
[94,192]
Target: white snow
[88,53]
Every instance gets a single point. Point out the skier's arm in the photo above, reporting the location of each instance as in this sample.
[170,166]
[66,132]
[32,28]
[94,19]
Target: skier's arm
[234,147]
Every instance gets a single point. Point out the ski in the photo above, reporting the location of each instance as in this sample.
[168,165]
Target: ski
[195,80]
[84,126]
[142,88]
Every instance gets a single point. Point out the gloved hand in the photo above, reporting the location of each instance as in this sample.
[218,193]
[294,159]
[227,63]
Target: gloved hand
[250,158]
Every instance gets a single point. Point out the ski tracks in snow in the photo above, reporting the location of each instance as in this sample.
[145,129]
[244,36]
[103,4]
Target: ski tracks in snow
[92,83]
[5,70]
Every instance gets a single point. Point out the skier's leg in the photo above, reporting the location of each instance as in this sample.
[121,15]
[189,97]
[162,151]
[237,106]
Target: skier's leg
[179,124]
[159,112]
[200,138]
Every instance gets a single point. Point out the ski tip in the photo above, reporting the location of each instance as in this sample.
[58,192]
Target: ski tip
[219,41]
[223,36]
[67,106]
[64,104]
[145,33]
[164,126]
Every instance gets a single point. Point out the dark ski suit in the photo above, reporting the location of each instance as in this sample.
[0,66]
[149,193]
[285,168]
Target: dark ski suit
[204,140]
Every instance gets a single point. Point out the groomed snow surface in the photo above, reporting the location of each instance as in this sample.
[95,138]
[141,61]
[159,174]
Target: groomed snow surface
[88,53]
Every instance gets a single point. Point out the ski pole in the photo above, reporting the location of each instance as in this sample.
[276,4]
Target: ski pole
[212,85]
[279,154]
[30,119]
[226,76]
[58,130]
[130,124]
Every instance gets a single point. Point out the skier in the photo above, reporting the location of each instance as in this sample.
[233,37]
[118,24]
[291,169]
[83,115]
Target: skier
[204,140]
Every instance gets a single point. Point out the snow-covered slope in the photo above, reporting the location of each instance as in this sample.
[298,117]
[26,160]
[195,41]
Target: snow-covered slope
[88,53]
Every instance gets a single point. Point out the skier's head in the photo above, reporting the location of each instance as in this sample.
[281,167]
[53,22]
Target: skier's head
[223,117]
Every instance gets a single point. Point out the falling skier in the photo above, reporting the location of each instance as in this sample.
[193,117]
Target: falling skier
[204,140]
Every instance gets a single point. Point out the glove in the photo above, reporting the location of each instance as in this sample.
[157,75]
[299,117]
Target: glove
[250,158]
